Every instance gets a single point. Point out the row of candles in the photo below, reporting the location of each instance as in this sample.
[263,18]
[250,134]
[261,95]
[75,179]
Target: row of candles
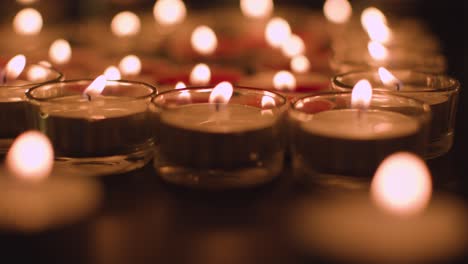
[225,135]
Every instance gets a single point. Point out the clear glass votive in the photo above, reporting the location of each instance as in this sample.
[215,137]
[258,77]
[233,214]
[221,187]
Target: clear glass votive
[331,140]
[104,134]
[236,144]
[13,105]
[440,92]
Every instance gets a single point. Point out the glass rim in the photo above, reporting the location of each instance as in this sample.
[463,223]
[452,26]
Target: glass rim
[154,90]
[453,87]
[34,84]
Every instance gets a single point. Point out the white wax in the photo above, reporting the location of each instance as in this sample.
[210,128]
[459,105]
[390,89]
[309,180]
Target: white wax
[230,118]
[368,125]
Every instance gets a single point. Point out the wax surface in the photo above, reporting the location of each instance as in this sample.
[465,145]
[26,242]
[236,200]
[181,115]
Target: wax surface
[369,125]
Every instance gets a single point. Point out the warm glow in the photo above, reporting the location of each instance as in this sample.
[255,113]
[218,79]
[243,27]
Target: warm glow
[337,11]
[300,64]
[130,65]
[361,95]
[125,24]
[27,22]
[112,73]
[268,102]
[37,73]
[372,16]
[169,12]
[388,78]
[96,87]
[284,80]
[204,40]
[31,156]
[200,75]
[277,31]
[14,67]
[402,184]
[377,50]
[180,85]
[256,8]
[45,64]
[60,52]
[26,2]
[379,32]
[222,93]
[293,46]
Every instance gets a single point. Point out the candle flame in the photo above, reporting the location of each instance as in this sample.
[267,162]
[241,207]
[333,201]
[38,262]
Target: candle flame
[28,22]
[361,95]
[372,16]
[379,32]
[256,8]
[222,93]
[125,24]
[45,64]
[402,184]
[293,46]
[60,52]
[180,85]
[388,78]
[26,2]
[284,80]
[268,102]
[337,11]
[96,87]
[130,65]
[200,75]
[277,32]
[30,157]
[112,73]
[37,73]
[14,67]
[377,50]
[204,40]
[169,12]
[300,64]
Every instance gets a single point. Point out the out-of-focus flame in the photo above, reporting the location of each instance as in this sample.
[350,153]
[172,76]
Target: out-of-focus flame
[402,184]
[277,32]
[284,80]
[379,32]
[300,64]
[26,2]
[377,51]
[372,16]
[222,93]
[268,102]
[125,24]
[293,46]
[337,11]
[204,40]
[256,8]
[37,73]
[200,75]
[361,95]
[169,12]
[130,65]
[60,52]
[180,85]
[30,157]
[28,22]
[388,78]
[112,73]
[45,64]
[14,68]
[96,87]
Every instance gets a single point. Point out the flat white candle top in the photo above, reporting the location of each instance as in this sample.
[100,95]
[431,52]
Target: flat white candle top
[230,118]
[369,125]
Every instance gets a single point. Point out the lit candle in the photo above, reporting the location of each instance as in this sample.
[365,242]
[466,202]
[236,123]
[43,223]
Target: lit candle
[169,12]
[125,24]
[204,40]
[337,11]
[256,8]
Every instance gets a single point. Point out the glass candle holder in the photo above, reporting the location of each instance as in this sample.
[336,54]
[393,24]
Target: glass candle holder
[330,138]
[239,143]
[440,92]
[13,105]
[106,134]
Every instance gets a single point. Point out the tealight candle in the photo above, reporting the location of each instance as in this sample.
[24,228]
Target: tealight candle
[349,134]
[440,92]
[399,225]
[219,137]
[104,123]
[16,78]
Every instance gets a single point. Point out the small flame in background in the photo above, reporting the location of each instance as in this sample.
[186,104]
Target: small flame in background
[125,24]
[204,40]
[337,11]
[28,22]
[361,95]
[37,73]
[130,65]
[293,46]
[375,24]
[256,8]
[13,68]
[180,85]
[96,87]
[30,157]
[222,93]
[284,80]
[402,184]
[112,73]
[169,12]
[200,75]
[268,102]
[277,32]
[388,78]
[300,64]
[60,52]
[377,50]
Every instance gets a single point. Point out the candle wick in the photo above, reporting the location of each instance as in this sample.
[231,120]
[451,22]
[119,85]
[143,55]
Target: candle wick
[3,75]
[217,107]
[398,86]
[88,97]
